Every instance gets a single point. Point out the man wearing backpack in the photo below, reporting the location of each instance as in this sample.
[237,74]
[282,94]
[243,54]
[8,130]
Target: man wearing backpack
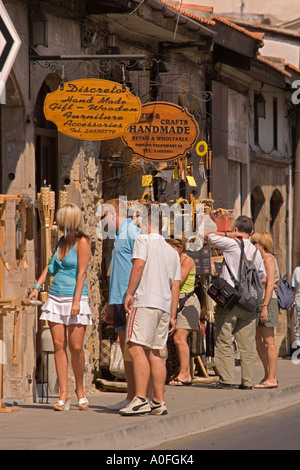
[238,322]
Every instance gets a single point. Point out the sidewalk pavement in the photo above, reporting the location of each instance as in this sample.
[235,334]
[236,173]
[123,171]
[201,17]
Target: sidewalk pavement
[191,410]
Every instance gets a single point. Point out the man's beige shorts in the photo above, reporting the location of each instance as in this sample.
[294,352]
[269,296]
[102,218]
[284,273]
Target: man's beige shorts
[148,327]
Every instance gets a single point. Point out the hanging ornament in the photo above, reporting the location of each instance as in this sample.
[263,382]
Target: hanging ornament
[192,202]
[18,219]
[190,178]
[209,155]
[176,172]
[146,196]
[202,170]
[201,150]
[147,180]
[182,169]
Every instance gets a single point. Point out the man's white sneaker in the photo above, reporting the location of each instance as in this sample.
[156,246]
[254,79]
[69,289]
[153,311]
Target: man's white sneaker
[158,408]
[136,407]
[118,406]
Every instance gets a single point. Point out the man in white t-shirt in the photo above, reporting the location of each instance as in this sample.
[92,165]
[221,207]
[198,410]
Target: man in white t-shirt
[237,322]
[151,301]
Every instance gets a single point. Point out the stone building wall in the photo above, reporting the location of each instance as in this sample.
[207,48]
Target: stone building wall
[79,172]
[264,177]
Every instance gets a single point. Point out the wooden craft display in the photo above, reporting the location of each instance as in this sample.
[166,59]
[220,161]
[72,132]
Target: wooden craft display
[46,209]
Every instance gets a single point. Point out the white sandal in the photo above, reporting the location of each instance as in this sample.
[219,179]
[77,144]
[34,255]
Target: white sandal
[63,405]
[83,404]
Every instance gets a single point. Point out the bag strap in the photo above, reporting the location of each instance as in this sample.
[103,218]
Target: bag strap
[241,261]
[185,299]
[278,271]
[237,284]
[244,256]
[254,256]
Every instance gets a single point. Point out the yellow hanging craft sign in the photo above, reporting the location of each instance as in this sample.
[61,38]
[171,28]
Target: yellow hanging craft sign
[147,180]
[191,181]
[92,109]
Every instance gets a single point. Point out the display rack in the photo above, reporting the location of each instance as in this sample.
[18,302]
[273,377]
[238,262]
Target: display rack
[7,305]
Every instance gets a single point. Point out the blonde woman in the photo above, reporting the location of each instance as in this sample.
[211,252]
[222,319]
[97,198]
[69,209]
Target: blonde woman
[188,315]
[268,312]
[67,309]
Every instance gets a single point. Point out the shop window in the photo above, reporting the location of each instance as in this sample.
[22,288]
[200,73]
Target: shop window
[275,124]
[259,112]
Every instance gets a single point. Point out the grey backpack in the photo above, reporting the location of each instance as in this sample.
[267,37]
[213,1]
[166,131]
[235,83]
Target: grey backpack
[249,286]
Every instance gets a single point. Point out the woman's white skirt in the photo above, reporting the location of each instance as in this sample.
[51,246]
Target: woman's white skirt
[58,310]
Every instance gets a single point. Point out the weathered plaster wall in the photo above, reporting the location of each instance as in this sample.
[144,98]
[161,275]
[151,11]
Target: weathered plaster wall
[264,176]
[78,166]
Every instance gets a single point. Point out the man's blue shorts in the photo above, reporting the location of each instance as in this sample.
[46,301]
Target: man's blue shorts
[119,317]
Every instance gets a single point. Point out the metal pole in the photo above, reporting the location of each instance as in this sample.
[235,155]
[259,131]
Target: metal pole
[120,57]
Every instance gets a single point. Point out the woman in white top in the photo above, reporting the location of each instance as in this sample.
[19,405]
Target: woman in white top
[268,312]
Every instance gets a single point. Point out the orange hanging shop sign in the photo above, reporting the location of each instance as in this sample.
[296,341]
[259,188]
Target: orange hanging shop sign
[92,109]
[164,132]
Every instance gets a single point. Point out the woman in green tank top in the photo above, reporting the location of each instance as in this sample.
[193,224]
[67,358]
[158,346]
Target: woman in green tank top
[188,315]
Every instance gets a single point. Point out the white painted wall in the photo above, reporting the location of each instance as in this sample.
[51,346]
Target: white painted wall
[289,52]
[285,10]
[266,126]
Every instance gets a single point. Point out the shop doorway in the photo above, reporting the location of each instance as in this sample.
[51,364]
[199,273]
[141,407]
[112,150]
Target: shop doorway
[46,159]
[46,154]
[277,219]
[257,203]
[276,202]
[46,174]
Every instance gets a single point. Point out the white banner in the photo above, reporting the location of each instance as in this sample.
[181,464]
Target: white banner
[9,46]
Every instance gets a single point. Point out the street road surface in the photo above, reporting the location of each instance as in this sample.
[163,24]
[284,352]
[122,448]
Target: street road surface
[275,431]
